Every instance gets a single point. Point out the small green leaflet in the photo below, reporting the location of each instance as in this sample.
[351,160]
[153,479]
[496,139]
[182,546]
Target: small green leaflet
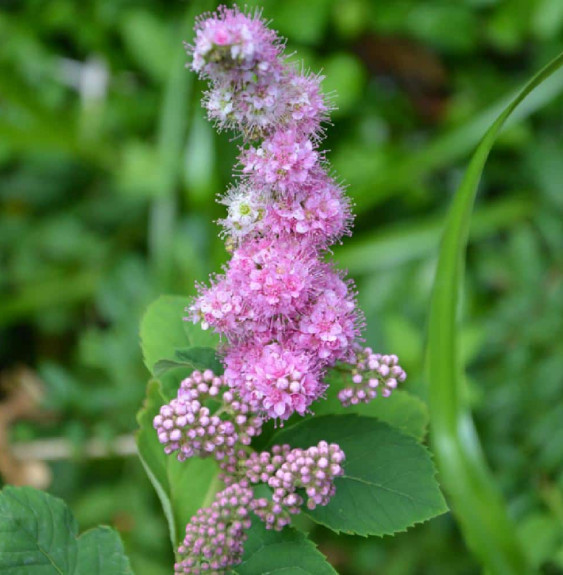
[389,480]
[39,536]
[164,333]
[192,357]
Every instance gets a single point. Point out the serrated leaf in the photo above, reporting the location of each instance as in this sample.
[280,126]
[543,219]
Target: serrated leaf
[38,536]
[182,487]
[100,551]
[286,552]
[163,331]
[389,480]
[401,410]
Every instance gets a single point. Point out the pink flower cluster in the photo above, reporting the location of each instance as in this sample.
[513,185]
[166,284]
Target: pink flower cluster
[286,470]
[215,536]
[186,426]
[285,314]
[372,372]
[252,87]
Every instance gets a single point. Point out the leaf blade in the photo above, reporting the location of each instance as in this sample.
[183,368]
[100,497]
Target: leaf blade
[39,537]
[402,410]
[164,331]
[376,456]
[100,552]
[286,552]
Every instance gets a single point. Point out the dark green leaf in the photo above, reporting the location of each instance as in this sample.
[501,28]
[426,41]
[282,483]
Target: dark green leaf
[388,483]
[38,536]
[287,552]
[200,358]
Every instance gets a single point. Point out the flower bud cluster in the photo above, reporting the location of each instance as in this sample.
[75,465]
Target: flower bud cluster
[286,315]
[372,373]
[286,471]
[215,536]
[187,427]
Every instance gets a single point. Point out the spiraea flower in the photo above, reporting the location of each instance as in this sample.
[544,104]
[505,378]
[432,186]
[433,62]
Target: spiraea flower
[296,476]
[285,315]
[277,304]
[274,379]
[282,162]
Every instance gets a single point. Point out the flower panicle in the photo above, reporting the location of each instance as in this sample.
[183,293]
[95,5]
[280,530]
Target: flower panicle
[285,315]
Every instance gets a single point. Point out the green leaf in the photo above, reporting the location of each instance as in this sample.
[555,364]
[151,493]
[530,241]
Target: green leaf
[193,358]
[286,552]
[38,536]
[476,499]
[388,483]
[401,410]
[200,358]
[182,487]
[100,551]
[164,331]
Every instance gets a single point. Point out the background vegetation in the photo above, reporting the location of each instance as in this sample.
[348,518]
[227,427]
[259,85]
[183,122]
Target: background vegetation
[108,173]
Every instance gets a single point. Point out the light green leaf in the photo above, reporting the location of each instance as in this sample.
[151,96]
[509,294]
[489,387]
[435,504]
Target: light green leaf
[401,410]
[182,487]
[476,499]
[388,483]
[164,331]
[287,552]
[38,536]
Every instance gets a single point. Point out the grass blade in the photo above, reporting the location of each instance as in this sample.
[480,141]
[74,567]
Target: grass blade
[474,497]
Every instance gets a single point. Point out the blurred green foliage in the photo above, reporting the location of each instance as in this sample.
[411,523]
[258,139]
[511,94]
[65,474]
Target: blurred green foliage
[108,173]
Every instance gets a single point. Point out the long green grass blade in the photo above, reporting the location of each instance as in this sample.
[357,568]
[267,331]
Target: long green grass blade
[473,495]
